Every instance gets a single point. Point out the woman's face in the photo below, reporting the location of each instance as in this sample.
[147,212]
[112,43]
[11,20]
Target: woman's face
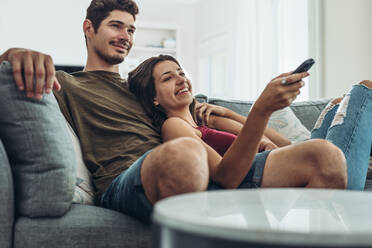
[172,87]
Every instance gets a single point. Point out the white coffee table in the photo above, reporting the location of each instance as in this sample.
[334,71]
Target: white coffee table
[265,218]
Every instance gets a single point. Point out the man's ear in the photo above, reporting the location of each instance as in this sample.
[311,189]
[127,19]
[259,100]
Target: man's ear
[88,28]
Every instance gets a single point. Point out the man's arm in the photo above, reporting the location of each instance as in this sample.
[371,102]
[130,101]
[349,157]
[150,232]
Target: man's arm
[29,66]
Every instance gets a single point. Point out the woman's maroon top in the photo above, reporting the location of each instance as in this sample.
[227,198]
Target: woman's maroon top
[220,141]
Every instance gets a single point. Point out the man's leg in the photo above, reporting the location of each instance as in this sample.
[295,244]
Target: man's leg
[175,167]
[315,163]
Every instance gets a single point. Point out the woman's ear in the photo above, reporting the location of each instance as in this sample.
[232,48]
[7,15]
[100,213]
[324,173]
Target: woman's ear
[155,102]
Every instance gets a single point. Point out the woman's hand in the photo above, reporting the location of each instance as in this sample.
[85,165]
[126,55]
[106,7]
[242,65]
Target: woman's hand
[277,95]
[266,144]
[204,110]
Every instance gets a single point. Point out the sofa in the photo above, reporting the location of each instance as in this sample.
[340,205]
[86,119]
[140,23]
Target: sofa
[37,188]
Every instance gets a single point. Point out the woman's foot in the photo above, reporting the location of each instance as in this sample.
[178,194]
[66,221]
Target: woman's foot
[337,100]
[367,83]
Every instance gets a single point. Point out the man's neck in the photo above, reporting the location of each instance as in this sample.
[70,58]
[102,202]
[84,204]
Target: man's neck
[94,64]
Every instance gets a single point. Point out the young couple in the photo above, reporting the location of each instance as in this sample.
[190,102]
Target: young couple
[145,148]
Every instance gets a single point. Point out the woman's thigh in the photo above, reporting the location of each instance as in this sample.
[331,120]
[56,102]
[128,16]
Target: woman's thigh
[290,166]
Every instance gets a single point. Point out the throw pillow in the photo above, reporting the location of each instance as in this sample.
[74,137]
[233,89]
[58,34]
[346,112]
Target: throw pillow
[84,192]
[285,122]
[39,149]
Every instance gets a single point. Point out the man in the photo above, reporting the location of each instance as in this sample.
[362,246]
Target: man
[131,169]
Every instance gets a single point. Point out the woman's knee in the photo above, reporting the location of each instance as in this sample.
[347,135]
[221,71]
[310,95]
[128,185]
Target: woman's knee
[329,162]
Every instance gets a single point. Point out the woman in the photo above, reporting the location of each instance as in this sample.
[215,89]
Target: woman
[165,93]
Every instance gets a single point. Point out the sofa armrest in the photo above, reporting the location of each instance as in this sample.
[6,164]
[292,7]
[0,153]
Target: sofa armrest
[39,149]
[6,199]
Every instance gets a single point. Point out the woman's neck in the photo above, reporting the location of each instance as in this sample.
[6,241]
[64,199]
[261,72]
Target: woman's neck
[184,115]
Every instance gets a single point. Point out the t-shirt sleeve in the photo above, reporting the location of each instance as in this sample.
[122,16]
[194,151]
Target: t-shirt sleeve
[62,98]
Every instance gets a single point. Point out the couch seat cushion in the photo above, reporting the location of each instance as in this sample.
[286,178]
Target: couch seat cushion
[82,226]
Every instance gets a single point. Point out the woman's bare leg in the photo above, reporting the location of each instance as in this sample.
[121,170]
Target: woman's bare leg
[315,163]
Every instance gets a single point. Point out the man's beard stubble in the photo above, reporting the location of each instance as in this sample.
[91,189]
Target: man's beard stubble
[112,60]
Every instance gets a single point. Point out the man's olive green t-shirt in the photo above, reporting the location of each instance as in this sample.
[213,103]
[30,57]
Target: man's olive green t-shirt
[113,129]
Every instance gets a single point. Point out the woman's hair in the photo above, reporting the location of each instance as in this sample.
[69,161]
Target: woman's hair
[142,84]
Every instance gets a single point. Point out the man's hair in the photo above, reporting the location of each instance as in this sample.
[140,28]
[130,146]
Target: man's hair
[142,84]
[98,10]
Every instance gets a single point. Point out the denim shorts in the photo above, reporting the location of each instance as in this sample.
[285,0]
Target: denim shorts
[126,194]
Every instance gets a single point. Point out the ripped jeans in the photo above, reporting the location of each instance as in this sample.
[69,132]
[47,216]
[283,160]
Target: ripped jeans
[348,125]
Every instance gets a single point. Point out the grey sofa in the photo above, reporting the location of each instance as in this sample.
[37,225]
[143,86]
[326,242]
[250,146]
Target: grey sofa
[33,219]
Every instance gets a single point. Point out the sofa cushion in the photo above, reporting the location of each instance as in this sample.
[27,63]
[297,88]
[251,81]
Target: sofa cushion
[39,149]
[308,112]
[84,190]
[240,107]
[201,98]
[83,226]
[7,201]
[285,122]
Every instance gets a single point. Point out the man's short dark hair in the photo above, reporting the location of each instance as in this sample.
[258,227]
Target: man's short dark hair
[98,10]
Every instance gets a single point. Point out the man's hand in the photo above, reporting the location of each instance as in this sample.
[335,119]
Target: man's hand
[266,144]
[29,65]
[204,110]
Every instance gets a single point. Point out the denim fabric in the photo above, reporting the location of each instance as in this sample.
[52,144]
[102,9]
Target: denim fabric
[253,178]
[39,148]
[347,125]
[125,194]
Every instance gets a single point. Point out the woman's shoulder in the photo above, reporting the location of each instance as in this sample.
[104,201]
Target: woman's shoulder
[175,121]
[178,125]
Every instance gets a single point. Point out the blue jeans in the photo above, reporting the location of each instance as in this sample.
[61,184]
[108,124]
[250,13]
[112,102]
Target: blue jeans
[126,194]
[347,125]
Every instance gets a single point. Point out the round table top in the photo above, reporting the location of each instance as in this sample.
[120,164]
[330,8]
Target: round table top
[280,216]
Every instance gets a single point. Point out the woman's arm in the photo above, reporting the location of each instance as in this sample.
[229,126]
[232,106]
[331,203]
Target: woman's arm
[234,127]
[229,170]
[221,118]
[237,161]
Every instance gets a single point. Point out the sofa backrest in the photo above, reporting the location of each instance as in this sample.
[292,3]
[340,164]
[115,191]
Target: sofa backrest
[307,112]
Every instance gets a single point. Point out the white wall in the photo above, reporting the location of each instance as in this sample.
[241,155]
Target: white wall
[347,44]
[55,27]
[176,13]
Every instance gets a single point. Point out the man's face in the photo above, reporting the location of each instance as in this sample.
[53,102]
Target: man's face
[114,37]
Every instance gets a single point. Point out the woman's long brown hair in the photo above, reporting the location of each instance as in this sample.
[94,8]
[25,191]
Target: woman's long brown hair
[142,84]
